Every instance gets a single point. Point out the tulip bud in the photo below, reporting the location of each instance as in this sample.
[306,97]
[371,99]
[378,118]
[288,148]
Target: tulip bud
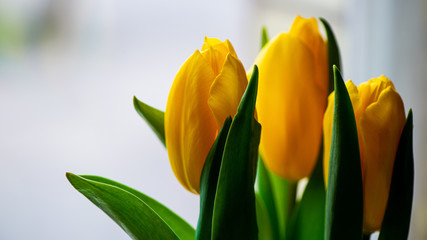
[206,90]
[380,117]
[292,95]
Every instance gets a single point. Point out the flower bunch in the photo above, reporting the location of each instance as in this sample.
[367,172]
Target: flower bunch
[244,145]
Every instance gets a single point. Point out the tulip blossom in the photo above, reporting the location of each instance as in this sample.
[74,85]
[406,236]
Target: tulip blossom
[292,95]
[206,90]
[380,117]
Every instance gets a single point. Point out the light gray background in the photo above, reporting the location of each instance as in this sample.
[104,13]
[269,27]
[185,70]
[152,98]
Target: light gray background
[69,70]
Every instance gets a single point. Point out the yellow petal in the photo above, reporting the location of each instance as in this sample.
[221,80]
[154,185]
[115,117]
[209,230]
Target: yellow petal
[290,106]
[381,126]
[307,31]
[358,108]
[327,135]
[368,93]
[210,42]
[353,92]
[215,52]
[371,90]
[380,117]
[190,126]
[224,47]
[227,90]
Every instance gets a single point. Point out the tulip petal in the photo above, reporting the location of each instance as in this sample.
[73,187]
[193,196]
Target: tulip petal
[224,47]
[381,125]
[307,32]
[215,51]
[327,135]
[227,90]
[210,42]
[370,91]
[290,107]
[190,127]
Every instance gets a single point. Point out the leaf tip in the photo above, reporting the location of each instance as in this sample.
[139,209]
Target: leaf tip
[136,103]
[323,20]
[72,178]
[228,121]
[264,36]
[254,78]
[255,71]
[409,118]
[336,69]
[68,175]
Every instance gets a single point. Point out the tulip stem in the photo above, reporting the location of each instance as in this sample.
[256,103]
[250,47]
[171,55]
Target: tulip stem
[284,195]
[289,203]
[292,193]
[366,236]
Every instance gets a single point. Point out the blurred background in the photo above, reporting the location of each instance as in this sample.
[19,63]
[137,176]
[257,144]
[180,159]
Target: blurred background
[69,70]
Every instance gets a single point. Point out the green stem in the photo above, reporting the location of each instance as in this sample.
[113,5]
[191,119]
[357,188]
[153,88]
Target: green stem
[292,193]
[284,196]
[366,236]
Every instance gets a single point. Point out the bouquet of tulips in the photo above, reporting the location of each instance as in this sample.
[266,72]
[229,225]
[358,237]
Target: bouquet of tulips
[244,140]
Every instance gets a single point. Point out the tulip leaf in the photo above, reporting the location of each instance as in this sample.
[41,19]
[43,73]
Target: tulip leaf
[132,214]
[234,208]
[154,117]
[182,229]
[266,202]
[308,220]
[264,37]
[208,183]
[333,53]
[397,216]
[344,195]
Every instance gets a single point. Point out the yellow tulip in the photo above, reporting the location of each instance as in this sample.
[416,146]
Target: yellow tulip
[292,95]
[380,117]
[206,90]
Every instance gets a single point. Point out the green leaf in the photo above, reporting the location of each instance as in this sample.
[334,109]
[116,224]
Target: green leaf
[154,117]
[333,53]
[308,220]
[208,183]
[234,208]
[181,228]
[344,196]
[266,204]
[397,216]
[264,37]
[132,214]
